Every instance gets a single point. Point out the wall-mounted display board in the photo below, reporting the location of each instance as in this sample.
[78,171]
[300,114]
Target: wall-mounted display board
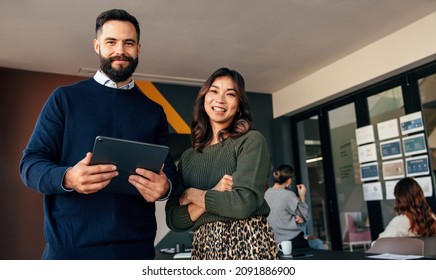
[402,155]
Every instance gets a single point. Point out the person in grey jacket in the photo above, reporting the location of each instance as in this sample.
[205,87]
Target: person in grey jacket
[289,211]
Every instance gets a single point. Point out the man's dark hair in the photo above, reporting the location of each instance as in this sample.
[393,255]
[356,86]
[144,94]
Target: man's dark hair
[116,14]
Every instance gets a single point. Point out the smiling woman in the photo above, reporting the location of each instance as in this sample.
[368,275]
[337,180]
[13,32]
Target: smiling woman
[231,83]
[221,104]
[221,195]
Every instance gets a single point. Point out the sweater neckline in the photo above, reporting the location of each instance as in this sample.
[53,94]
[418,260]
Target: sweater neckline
[214,147]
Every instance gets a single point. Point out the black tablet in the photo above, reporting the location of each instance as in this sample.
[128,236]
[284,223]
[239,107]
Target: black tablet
[127,156]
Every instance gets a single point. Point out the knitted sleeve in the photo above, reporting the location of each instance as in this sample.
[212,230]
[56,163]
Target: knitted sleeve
[177,216]
[38,167]
[299,208]
[253,164]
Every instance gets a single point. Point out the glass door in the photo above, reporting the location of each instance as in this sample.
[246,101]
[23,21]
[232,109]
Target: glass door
[427,91]
[312,173]
[384,107]
[352,208]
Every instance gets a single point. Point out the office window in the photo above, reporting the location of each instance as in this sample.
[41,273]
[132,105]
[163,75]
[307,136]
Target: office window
[427,91]
[386,106]
[312,172]
[342,123]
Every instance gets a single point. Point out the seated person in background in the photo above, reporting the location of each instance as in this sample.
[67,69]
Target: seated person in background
[415,217]
[289,212]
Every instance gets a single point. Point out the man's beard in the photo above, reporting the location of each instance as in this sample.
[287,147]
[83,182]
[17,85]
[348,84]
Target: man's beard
[121,74]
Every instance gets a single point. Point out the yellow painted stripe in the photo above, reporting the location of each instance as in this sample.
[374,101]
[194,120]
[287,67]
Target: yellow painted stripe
[174,119]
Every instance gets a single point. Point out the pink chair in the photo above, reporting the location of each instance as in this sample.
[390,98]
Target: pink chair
[353,235]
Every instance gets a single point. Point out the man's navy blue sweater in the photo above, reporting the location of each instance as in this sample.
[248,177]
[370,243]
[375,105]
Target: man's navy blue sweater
[102,225]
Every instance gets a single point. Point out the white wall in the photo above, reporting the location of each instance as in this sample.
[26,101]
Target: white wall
[407,48]
[162,228]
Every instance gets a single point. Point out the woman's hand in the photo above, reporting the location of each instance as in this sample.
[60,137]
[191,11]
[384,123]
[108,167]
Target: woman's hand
[183,199]
[302,192]
[299,219]
[225,184]
[195,198]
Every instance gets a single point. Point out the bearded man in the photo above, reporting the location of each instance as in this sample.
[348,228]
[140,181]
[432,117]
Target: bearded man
[81,220]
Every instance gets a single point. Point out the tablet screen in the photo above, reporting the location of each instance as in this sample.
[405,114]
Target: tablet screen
[127,156]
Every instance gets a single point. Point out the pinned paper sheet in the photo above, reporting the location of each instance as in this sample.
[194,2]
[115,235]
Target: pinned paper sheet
[372,191]
[426,185]
[411,123]
[367,153]
[393,169]
[390,186]
[388,129]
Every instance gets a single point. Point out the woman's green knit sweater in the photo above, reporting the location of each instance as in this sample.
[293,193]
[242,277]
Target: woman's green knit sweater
[245,158]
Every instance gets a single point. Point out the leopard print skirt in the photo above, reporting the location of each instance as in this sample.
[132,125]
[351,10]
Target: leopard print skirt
[248,239]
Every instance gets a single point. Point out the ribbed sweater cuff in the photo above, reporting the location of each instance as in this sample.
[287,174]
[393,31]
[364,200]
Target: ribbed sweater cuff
[183,218]
[212,202]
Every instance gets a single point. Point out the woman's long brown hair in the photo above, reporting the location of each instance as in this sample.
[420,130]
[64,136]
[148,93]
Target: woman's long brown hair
[201,131]
[410,201]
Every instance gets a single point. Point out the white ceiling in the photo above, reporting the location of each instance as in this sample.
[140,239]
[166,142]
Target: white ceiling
[272,43]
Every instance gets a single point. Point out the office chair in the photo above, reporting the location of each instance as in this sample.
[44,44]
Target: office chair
[398,245]
[354,236]
[429,245]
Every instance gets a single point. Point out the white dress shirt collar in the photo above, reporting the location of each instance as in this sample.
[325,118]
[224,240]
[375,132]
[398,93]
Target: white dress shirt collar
[102,79]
